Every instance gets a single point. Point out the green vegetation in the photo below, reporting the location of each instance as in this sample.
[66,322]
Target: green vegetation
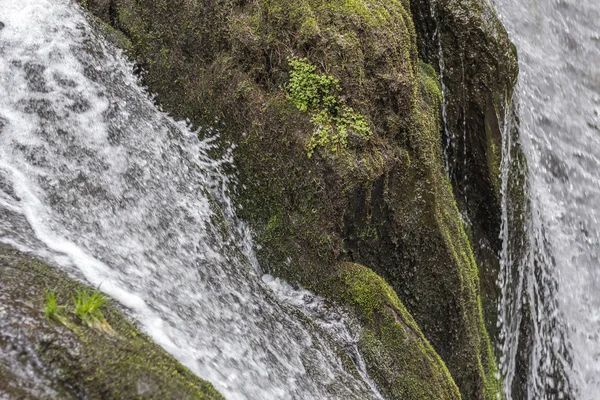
[310,91]
[431,83]
[87,307]
[85,361]
[403,363]
[52,309]
[318,94]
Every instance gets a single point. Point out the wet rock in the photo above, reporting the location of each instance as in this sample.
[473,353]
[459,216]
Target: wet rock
[397,351]
[65,358]
[480,71]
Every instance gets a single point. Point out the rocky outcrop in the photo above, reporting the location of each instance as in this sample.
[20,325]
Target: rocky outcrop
[63,357]
[480,69]
[398,358]
[339,146]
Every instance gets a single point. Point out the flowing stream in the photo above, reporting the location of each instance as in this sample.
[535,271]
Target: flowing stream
[96,179]
[552,310]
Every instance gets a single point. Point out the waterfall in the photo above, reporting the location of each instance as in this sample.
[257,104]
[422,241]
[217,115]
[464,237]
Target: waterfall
[97,180]
[550,311]
[532,346]
[450,141]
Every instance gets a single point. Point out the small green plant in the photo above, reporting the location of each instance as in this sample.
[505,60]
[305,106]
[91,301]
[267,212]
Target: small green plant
[309,91]
[87,306]
[52,309]
[318,95]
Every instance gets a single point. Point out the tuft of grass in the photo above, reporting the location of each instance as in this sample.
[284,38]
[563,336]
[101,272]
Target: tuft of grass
[52,309]
[88,306]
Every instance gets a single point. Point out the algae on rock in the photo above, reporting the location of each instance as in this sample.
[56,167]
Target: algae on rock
[385,202]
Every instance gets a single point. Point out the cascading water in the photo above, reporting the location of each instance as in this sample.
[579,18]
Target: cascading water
[442,69]
[551,293]
[532,346]
[96,179]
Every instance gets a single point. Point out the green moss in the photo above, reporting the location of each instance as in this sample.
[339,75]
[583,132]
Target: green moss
[460,250]
[368,290]
[88,360]
[431,83]
[401,360]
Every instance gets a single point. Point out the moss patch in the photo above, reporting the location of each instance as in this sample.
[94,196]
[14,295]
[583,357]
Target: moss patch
[400,360]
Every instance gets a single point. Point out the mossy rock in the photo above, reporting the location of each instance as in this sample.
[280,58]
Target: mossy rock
[480,73]
[383,201]
[399,358]
[66,358]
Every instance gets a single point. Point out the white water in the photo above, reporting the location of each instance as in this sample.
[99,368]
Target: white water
[559,95]
[96,179]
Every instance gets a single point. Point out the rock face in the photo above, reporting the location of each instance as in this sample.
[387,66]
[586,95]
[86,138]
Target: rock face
[350,168]
[480,71]
[67,359]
